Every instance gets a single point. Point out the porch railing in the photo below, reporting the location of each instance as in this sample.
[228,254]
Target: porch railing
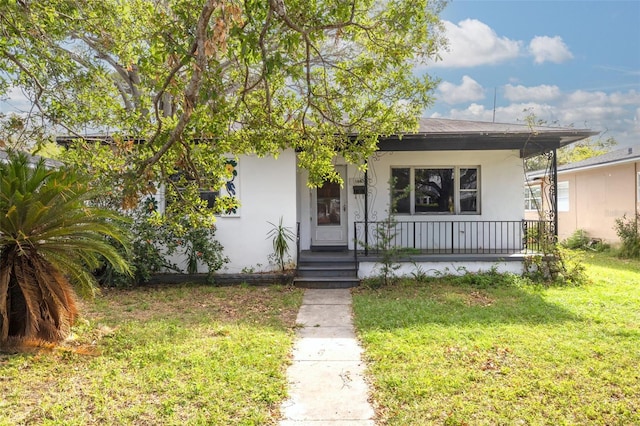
[453,237]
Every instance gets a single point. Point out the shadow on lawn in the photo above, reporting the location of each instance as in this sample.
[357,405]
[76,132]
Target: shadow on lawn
[392,308]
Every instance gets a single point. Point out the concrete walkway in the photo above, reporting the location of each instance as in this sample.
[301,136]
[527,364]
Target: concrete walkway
[326,383]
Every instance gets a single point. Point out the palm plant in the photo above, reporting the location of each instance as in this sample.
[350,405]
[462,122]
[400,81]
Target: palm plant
[280,236]
[50,241]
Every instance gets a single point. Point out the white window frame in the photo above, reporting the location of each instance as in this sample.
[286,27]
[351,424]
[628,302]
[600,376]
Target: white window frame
[533,201]
[456,190]
[563,196]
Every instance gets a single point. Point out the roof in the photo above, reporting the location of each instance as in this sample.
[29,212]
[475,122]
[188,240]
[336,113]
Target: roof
[32,159]
[438,134]
[622,155]
[619,156]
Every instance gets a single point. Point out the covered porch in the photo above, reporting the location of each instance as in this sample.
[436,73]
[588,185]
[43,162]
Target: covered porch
[476,221]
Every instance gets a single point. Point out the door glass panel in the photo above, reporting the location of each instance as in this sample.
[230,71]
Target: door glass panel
[328,204]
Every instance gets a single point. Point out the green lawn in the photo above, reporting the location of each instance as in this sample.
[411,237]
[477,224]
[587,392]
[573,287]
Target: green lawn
[168,355]
[441,353]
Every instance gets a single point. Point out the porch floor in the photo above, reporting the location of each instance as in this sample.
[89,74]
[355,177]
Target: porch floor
[419,256]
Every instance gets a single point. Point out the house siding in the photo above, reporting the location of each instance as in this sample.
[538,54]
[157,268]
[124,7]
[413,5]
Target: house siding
[266,189]
[267,192]
[597,197]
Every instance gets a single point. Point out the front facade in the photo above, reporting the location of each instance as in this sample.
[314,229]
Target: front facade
[592,194]
[457,190]
[446,199]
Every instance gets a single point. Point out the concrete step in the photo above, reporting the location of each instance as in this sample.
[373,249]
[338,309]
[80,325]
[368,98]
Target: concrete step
[326,260]
[327,271]
[325,282]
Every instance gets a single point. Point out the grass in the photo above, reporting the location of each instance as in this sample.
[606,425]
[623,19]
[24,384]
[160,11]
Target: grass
[455,353]
[170,355]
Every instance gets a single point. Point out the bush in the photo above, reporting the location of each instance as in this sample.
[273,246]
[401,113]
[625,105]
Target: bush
[627,230]
[154,241]
[558,266]
[578,240]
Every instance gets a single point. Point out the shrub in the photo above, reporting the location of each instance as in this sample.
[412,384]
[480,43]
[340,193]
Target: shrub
[155,241]
[627,230]
[557,266]
[578,240]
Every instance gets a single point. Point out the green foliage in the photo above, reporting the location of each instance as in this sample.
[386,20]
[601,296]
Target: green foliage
[627,230]
[490,278]
[171,355]
[578,151]
[156,238]
[385,242]
[581,240]
[556,266]
[448,353]
[578,240]
[51,238]
[180,83]
[280,236]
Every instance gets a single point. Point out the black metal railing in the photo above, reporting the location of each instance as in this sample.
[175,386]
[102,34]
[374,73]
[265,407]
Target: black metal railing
[453,237]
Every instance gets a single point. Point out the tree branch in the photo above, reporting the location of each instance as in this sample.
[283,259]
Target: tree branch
[193,88]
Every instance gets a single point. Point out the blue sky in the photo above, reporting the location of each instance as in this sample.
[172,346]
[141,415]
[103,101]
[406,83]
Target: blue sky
[572,63]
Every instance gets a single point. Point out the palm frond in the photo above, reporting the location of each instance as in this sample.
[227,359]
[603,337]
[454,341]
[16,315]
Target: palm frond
[51,237]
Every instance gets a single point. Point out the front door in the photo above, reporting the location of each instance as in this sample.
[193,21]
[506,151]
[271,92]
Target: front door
[329,218]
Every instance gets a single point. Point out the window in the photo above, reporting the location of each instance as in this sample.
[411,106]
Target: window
[533,197]
[563,196]
[211,191]
[209,197]
[453,190]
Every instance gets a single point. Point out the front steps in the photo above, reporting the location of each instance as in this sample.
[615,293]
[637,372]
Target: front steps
[325,270]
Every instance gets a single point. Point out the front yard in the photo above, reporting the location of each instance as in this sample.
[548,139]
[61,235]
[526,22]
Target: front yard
[465,354]
[160,356]
[440,352]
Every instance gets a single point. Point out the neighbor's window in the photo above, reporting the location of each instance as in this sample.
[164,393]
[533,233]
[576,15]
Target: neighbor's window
[532,197]
[563,196]
[450,190]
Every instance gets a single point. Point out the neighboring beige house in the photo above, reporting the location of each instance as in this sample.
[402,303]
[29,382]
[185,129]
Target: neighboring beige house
[592,193]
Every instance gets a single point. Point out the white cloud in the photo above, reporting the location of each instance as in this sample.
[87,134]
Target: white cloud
[14,101]
[630,98]
[542,93]
[614,114]
[473,43]
[469,90]
[549,49]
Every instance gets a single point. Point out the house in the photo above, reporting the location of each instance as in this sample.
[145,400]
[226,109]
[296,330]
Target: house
[462,208]
[592,193]
[32,159]
[457,190]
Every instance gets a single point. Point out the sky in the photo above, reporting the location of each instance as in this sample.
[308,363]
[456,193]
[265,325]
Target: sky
[570,63]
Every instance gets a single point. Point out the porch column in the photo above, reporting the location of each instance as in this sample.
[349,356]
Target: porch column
[366,208]
[554,183]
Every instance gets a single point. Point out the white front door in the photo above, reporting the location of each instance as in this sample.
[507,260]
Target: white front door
[329,213]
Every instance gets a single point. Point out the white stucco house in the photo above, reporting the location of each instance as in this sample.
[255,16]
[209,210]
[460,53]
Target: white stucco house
[463,208]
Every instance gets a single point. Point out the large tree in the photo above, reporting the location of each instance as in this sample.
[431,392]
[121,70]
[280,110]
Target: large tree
[179,83]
